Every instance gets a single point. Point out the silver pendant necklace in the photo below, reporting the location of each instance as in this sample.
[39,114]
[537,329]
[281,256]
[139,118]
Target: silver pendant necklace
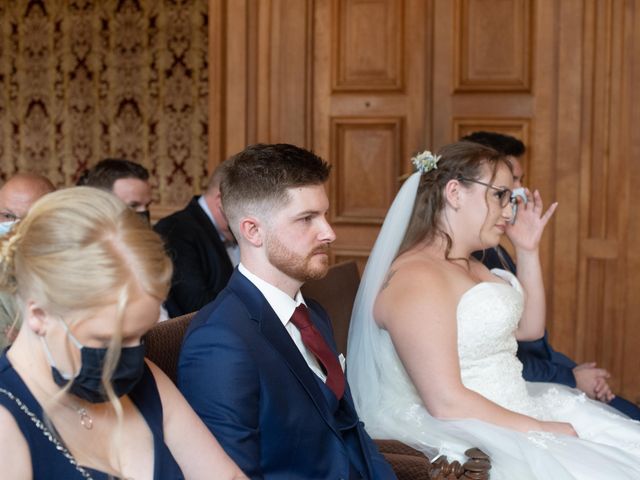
[86,420]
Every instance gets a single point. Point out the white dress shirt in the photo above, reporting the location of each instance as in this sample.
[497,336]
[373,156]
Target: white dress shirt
[284,306]
[233,251]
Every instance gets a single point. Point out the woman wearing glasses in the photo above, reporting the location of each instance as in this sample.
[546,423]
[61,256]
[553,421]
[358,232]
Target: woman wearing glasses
[432,345]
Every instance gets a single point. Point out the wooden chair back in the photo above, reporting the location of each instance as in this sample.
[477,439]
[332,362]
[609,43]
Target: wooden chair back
[336,292]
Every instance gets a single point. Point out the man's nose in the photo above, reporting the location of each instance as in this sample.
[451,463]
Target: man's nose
[327,234]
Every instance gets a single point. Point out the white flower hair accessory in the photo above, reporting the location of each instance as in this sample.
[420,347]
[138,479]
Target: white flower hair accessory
[425,161]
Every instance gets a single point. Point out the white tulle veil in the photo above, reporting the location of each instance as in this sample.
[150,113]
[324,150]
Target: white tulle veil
[365,338]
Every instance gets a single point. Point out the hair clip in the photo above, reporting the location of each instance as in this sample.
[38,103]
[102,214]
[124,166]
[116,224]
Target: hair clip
[425,161]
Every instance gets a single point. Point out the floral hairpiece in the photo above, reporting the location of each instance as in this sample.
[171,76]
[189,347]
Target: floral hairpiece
[425,161]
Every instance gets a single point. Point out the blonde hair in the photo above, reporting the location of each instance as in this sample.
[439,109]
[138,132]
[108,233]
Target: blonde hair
[77,242]
[81,249]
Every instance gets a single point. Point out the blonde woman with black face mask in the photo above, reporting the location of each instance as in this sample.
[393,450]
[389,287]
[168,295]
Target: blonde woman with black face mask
[77,398]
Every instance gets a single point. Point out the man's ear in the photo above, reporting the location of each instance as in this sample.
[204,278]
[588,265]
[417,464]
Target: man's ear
[218,199]
[36,318]
[251,230]
[453,193]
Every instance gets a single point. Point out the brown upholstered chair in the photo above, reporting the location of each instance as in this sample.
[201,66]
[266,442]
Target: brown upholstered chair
[162,343]
[336,292]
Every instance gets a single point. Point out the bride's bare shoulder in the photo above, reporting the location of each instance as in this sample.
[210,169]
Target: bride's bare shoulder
[414,279]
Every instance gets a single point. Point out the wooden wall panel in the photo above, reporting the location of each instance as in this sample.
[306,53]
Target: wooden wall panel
[493,45]
[345,255]
[285,75]
[262,74]
[630,293]
[366,159]
[602,224]
[369,104]
[366,58]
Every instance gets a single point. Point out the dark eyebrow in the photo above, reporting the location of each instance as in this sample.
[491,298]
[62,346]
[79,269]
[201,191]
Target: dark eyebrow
[306,213]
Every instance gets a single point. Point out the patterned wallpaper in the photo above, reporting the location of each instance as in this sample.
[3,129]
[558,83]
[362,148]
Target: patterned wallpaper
[81,80]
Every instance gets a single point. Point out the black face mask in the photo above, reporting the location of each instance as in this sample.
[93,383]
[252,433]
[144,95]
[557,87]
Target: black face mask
[87,384]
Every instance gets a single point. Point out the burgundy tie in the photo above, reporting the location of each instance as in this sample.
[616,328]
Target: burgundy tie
[314,341]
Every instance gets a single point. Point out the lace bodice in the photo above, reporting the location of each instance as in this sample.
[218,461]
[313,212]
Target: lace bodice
[487,318]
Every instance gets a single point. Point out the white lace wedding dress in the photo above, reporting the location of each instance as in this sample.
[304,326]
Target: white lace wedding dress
[608,446]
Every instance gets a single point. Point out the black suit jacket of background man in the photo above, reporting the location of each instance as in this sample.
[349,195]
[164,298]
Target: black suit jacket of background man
[201,264]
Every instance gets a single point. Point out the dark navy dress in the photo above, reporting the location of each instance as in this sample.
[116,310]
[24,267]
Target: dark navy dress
[51,464]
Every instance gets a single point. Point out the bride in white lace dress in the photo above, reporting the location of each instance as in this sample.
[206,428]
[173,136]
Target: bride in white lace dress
[432,345]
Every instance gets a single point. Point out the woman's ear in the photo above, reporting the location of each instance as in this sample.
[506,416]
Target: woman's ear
[36,318]
[251,230]
[452,193]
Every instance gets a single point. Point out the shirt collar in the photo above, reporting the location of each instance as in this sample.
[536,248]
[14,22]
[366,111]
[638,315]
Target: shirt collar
[280,302]
[203,205]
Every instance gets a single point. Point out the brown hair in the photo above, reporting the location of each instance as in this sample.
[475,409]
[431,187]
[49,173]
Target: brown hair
[106,172]
[256,179]
[459,161]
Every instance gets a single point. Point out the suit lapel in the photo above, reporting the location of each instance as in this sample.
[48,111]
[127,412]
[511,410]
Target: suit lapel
[274,332]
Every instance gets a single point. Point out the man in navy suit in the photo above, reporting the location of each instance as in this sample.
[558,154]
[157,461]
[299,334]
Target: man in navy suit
[258,366]
[540,362]
[202,249]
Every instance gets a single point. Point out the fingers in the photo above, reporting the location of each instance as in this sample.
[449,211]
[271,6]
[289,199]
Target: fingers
[601,372]
[604,394]
[549,213]
[602,390]
[534,204]
[585,365]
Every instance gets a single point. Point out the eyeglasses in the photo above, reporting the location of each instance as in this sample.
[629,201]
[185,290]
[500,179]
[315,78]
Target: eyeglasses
[504,195]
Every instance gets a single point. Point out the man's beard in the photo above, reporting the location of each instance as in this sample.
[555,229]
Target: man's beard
[301,268]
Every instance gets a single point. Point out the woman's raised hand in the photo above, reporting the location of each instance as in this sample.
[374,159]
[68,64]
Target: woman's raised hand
[530,222]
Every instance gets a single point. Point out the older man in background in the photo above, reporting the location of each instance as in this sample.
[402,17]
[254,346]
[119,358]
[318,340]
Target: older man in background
[16,197]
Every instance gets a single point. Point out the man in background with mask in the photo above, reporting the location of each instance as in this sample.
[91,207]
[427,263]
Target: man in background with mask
[127,180]
[16,197]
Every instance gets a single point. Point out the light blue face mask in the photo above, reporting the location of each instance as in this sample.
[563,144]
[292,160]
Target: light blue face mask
[5,227]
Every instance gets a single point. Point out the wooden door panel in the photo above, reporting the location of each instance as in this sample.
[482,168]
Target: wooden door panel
[493,45]
[369,108]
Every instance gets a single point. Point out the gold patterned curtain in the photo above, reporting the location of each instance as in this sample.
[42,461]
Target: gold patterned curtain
[81,80]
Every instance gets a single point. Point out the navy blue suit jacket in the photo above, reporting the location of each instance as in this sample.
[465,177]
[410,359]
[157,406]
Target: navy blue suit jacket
[540,362]
[244,376]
